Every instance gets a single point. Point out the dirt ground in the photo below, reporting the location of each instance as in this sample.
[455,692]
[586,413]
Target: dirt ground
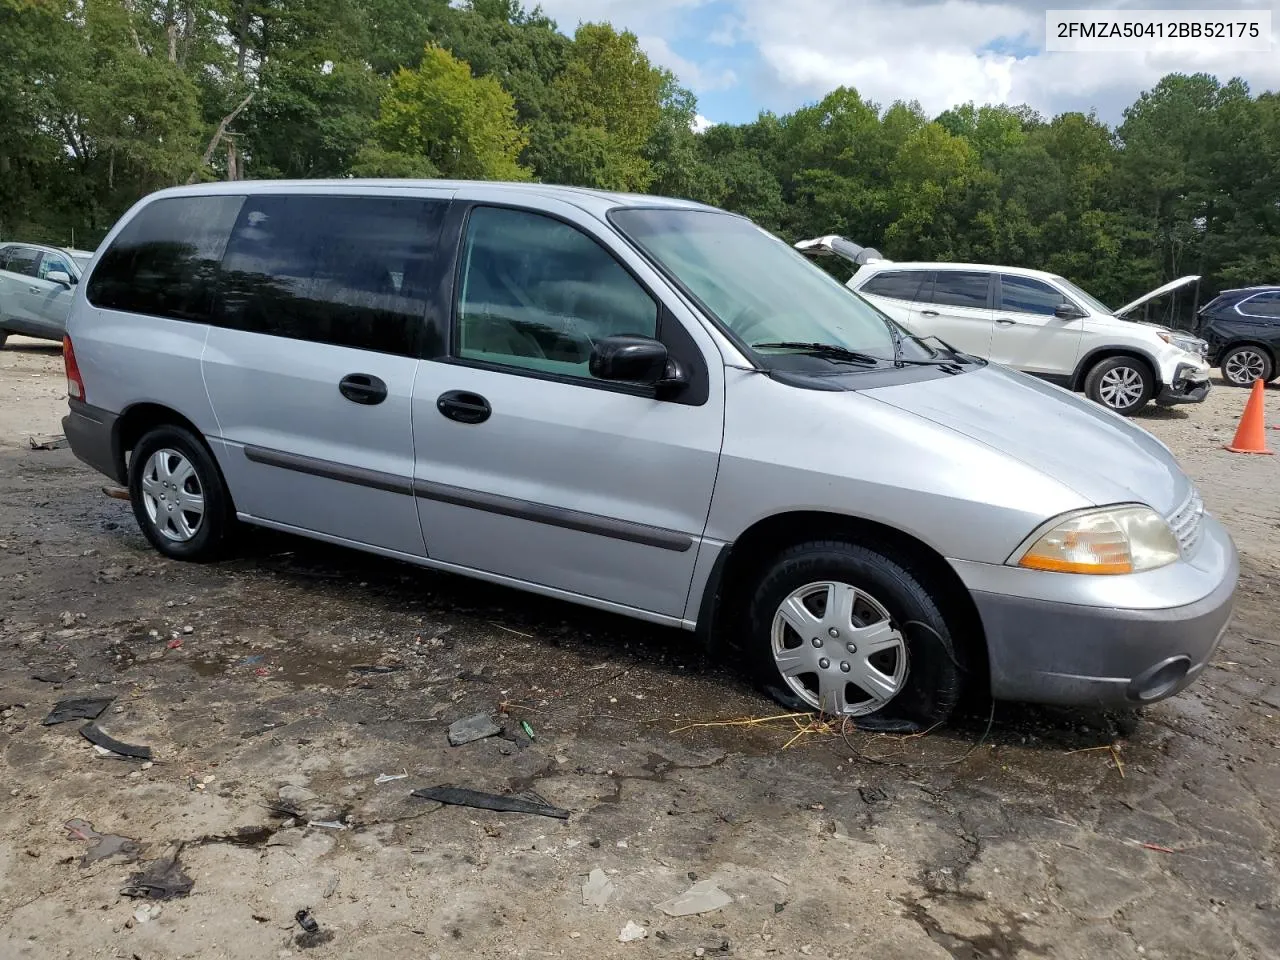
[276,687]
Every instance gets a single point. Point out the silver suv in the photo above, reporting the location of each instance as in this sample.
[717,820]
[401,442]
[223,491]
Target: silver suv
[648,406]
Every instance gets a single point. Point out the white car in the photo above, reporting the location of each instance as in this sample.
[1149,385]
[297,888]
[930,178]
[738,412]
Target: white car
[36,283]
[1035,322]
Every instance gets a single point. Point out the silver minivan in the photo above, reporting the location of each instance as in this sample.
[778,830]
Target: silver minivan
[649,406]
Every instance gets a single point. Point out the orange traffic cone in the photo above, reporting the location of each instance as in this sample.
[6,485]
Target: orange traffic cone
[1251,435]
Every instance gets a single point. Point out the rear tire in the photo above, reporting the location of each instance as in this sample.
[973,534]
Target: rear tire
[1244,364]
[841,629]
[178,496]
[1121,384]
[4,335]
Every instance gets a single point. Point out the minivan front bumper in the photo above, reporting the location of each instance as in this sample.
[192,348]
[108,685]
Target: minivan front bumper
[1048,649]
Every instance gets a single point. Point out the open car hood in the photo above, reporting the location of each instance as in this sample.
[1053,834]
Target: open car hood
[1157,292]
[840,247]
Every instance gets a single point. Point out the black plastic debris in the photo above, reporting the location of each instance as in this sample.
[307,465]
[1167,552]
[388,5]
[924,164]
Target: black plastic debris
[53,675]
[91,733]
[79,708]
[470,729]
[163,879]
[101,845]
[306,921]
[459,797]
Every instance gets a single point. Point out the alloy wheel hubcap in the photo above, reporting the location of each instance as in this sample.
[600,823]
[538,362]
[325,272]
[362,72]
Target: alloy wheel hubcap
[1244,367]
[1120,387]
[838,650]
[172,495]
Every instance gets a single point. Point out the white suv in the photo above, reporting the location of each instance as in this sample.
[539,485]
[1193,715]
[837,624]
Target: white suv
[1035,322]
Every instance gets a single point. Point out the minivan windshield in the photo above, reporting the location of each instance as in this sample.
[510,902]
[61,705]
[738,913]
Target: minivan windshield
[769,296]
[1093,303]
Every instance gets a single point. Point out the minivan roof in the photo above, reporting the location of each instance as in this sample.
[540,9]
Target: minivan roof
[597,202]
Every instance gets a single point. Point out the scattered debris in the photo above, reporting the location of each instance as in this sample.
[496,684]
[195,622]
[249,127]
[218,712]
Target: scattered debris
[597,890]
[328,824]
[489,801]
[53,674]
[251,660]
[117,493]
[147,913]
[873,794]
[101,845]
[781,879]
[703,897]
[95,736]
[296,796]
[528,729]
[163,879]
[389,777]
[55,442]
[472,728]
[331,887]
[368,668]
[174,644]
[632,932]
[306,921]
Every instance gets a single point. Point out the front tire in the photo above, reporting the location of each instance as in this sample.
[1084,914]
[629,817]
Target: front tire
[178,496]
[1121,384]
[1244,364]
[846,631]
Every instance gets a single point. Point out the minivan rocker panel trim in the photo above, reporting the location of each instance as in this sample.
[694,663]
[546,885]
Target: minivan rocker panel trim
[475,500]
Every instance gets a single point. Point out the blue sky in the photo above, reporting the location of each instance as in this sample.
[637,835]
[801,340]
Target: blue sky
[744,56]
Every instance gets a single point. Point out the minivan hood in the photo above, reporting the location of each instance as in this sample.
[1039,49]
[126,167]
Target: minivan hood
[1157,292]
[1098,454]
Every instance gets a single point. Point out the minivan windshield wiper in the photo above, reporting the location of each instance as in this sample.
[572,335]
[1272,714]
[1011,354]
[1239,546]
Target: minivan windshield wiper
[829,351]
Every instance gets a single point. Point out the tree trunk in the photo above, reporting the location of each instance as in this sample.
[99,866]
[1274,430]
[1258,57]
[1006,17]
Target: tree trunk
[217,137]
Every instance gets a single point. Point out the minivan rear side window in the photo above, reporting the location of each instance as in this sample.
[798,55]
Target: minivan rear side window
[898,284]
[961,288]
[164,263]
[348,271]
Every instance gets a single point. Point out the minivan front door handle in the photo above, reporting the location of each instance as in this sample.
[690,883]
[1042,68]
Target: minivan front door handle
[464,406]
[363,388]
[929,313]
[1006,322]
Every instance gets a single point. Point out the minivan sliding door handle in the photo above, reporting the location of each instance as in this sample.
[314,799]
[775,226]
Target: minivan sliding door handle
[928,313]
[362,388]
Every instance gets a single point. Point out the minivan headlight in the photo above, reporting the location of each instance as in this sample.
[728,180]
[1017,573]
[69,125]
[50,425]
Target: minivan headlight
[1110,540]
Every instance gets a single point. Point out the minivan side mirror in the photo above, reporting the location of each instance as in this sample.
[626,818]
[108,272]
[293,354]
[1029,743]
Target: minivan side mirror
[1065,311]
[630,358]
[59,277]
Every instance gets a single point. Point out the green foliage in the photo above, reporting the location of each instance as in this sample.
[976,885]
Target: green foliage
[460,125]
[102,101]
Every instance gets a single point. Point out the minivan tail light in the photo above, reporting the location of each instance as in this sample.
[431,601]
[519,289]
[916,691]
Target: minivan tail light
[75,382]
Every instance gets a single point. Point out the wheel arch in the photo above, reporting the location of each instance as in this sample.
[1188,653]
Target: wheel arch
[1099,354]
[139,418]
[743,561]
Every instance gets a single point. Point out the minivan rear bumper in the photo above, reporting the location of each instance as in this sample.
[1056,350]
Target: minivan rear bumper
[1071,654]
[91,434]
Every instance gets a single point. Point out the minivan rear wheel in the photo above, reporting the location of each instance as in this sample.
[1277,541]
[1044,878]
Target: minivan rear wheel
[1244,364]
[844,630]
[1122,384]
[178,496]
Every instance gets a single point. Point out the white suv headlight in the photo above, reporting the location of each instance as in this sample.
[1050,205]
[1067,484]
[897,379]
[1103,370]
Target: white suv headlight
[1185,342]
[1109,540]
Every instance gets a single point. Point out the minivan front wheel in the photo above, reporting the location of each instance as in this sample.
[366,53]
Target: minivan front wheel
[178,496]
[848,632]
[1243,365]
[1122,384]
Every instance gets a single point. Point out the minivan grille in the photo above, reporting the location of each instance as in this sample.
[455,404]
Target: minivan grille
[1186,522]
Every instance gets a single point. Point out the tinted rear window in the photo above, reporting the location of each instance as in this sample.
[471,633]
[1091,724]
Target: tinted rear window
[1028,295]
[1262,305]
[349,271]
[164,263]
[960,288]
[899,284]
[21,260]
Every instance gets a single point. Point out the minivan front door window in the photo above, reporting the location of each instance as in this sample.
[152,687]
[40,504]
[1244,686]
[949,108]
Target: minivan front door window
[537,293]
[772,299]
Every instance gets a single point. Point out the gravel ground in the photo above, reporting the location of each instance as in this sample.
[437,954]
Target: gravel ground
[275,688]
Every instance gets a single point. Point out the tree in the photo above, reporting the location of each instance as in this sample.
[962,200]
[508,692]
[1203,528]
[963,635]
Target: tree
[463,126]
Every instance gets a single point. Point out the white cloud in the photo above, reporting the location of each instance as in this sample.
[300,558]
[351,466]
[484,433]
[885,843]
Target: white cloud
[700,123]
[700,78]
[938,53]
